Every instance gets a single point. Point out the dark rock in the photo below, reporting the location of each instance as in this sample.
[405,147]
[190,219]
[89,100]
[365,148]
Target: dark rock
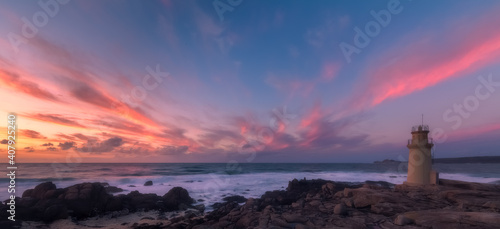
[148,183]
[113,189]
[54,193]
[135,201]
[28,193]
[86,199]
[40,190]
[235,198]
[176,196]
[114,204]
[328,189]
[55,212]
[340,209]
[200,207]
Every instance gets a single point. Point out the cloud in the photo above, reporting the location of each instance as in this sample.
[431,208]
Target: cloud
[413,65]
[47,144]
[172,150]
[101,147]
[31,134]
[83,92]
[66,145]
[15,82]
[54,118]
[29,149]
[4,141]
[51,148]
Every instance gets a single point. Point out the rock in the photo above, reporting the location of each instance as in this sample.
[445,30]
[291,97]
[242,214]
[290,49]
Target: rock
[86,199]
[492,205]
[294,218]
[402,220]
[40,190]
[200,207]
[55,212]
[113,189]
[27,193]
[54,193]
[176,196]
[340,209]
[235,198]
[114,204]
[148,183]
[328,189]
[339,194]
[439,218]
[137,201]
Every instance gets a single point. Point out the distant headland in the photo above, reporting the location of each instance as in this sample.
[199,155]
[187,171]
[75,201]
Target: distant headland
[456,160]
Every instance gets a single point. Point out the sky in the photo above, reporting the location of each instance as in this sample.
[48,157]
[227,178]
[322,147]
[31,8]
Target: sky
[248,81]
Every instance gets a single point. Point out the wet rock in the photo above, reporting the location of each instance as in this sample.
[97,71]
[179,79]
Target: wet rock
[113,189]
[176,196]
[235,198]
[148,183]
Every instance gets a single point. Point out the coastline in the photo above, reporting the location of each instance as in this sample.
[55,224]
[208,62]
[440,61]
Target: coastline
[304,204]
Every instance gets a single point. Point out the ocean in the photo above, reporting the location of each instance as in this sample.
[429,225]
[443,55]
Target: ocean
[210,182]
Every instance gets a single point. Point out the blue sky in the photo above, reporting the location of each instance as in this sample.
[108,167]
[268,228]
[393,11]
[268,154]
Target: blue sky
[225,83]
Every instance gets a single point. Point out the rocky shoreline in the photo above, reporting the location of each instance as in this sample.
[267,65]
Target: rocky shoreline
[304,204]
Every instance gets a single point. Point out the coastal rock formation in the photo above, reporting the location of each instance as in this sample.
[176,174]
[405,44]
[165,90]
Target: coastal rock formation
[326,204]
[304,204]
[47,203]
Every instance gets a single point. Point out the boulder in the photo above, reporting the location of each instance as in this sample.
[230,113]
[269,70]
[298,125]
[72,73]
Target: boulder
[27,193]
[86,199]
[176,196]
[138,201]
[148,183]
[235,198]
[328,189]
[113,189]
[54,212]
[40,190]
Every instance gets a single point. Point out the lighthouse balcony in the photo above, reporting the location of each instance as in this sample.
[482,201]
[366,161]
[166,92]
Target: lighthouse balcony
[420,128]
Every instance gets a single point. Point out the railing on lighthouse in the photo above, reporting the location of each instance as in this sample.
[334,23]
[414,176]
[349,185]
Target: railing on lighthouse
[417,128]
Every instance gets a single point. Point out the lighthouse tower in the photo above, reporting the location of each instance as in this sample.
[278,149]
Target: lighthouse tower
[420,159]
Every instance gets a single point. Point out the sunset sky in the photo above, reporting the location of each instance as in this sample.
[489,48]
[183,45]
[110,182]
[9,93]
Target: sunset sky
[255,81]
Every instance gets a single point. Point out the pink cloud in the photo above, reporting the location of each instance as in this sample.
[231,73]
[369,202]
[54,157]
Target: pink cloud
[416,65]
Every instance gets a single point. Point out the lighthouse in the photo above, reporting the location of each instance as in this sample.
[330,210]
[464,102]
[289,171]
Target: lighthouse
[420,170]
